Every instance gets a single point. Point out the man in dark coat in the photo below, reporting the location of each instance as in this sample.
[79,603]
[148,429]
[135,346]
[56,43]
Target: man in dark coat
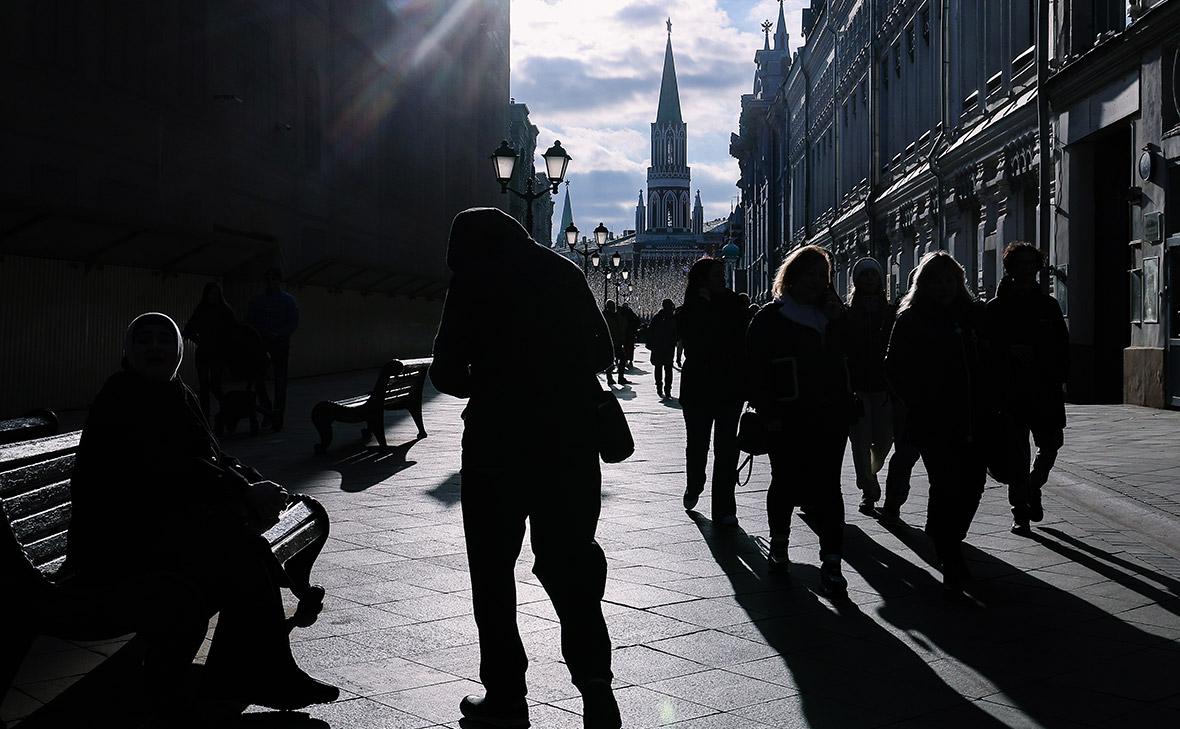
[1030,344]
[530,455]
[616,324]
[711,324]
[661,340]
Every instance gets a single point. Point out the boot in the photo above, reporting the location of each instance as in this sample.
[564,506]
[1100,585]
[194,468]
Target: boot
[779,561]
[833,583]
[599,708]
[496,712]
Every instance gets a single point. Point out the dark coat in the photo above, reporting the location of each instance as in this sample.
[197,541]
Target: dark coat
[798,375]
[211,326]
[487,330]
[713,335]
[616,324]
[149,480]
[868,333]
[935,365]
[630,326]
[1029,349]
[661,337]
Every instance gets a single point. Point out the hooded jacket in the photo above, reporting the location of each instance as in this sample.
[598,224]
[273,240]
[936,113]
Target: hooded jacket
[1029,344]
[488,330]
[713,332]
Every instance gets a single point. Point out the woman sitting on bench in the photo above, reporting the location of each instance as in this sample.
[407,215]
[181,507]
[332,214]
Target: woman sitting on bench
[166,530]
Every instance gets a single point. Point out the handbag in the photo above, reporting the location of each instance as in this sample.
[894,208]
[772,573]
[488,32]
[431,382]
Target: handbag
[752,436]
[615,443]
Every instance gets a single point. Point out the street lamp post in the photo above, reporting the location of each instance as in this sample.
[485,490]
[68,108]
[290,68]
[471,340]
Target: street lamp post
[607,273]
[571,239]
[556,161]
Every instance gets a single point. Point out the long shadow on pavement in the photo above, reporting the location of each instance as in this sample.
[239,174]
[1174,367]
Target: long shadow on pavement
[847,669]
[1043,651]
[1107,564]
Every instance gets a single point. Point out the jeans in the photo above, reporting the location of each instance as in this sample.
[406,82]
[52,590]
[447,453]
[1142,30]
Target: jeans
[560,496]
[722,419]
[664,378]
[957,473]
[279,349]
[806,472]
[871,437]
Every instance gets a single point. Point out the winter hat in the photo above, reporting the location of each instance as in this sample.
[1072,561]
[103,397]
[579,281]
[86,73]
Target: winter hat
[867,263]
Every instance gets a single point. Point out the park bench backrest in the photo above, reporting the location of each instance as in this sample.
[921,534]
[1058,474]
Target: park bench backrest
[35,498]
[34,425]
[400,380]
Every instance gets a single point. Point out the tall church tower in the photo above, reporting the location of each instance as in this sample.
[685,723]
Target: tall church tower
[668,177]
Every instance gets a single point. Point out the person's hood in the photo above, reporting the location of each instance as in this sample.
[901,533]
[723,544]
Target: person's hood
[152,317]
[484,237]
[802,314]
[867,263]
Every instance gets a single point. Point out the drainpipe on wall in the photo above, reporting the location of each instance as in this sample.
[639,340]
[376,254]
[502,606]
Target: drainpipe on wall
[944,107]
[1044,212]
[874,136]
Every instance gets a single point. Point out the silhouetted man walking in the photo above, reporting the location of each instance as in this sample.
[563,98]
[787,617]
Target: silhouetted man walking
[275,315]
[527,455]
[1030,342]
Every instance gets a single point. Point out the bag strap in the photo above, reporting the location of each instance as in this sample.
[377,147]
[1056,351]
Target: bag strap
[749,471]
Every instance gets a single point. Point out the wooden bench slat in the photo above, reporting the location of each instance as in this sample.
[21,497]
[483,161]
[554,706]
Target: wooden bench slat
[295,541]
[40,499]
[42,524]
[46,550]
[16,481]
[19,454]
[294,516]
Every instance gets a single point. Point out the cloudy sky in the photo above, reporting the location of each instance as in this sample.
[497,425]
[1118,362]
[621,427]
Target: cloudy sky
[590,74]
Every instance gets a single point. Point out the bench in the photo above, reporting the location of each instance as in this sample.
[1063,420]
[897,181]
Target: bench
[36,424]
[35,503]
[398,387]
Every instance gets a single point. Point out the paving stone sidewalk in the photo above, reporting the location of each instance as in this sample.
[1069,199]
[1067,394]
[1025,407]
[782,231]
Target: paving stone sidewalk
[1075,626]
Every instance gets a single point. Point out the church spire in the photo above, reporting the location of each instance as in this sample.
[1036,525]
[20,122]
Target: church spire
[567,213]
[669,109]
[780,33]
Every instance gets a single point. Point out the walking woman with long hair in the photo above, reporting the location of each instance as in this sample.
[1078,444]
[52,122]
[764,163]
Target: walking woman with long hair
[934,367]
[711,324]
[796,353]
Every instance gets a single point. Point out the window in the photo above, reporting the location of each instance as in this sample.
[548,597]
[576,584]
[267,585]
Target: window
[1136,287]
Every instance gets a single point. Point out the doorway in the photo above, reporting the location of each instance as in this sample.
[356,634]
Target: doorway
[1113,260]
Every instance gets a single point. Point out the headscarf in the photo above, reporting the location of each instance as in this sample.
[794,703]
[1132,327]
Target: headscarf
[867,263]
[152,317]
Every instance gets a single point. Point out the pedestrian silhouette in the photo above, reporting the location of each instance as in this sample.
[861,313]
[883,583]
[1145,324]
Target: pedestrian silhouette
[208,327]
[710,324]
[275,315]
[527,457]
[630,331]
[905,453]
[870,320]
[165,528]
[245,364]
[617,326]
[798,374]
[661,340]
[934,365]
[1030,347]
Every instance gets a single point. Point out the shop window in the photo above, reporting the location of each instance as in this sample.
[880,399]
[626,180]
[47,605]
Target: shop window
[1151,290]
[1136,289]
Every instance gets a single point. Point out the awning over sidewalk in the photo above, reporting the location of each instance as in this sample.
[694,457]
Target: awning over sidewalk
[95,240]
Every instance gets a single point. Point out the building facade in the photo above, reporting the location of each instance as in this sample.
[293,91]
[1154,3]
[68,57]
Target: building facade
[154,146]
[904,126]
[522,136]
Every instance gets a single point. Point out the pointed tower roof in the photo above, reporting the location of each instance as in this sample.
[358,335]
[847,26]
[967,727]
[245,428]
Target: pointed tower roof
[780,33]
[669,110]
[567,213]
